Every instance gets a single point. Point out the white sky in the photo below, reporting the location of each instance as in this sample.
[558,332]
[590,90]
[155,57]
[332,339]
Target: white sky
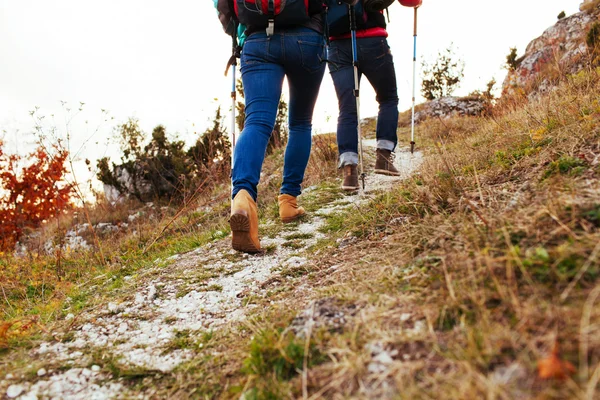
[163,62]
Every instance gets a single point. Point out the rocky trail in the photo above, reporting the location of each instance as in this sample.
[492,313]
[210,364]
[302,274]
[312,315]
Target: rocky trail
[197,292]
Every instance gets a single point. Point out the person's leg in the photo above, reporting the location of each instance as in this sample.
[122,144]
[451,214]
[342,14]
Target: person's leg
[262,77]
[376,62]
[304,69]
[262,80]
[342,74]
[378,66]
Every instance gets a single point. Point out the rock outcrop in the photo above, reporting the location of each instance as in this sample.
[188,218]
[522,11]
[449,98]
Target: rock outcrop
[445,107]
[561,48]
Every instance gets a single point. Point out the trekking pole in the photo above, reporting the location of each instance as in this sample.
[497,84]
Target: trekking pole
[356,91]
[412,125]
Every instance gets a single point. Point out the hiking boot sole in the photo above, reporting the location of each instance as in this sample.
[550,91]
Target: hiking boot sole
[350,188]
[292,219]
[240,234]
[386,172]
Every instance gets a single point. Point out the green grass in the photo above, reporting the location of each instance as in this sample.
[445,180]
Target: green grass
[566,165]
[275,357]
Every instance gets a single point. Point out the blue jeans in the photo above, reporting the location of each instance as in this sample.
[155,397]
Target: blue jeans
[376,63]
[296,53]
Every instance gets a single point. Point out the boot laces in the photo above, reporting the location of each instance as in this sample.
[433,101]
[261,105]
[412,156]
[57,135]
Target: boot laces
[392,157]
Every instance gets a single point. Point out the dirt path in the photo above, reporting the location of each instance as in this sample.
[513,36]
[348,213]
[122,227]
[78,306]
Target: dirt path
[200,290]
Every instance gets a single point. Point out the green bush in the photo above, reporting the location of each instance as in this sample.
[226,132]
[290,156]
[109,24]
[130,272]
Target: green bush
[593,37]
[163,169]
[512,62]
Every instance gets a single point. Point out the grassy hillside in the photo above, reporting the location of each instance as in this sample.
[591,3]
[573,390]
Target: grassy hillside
[477,277]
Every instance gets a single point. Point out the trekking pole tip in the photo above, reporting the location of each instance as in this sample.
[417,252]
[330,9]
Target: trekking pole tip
[412,147]
[363,176]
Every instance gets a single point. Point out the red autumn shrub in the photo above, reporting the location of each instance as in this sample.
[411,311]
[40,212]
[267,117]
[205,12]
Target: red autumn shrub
[31,194]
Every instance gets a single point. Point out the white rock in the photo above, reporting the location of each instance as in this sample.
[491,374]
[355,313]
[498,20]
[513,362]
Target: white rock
[56,389]
[14,391]
[44,348]
[139,298]
[41,372]
[113,307]
[151,292]
[383,358]
[29,396]
[95,368]
[376,368]
[122,327]
[420,327]
[69,317]
[9,376]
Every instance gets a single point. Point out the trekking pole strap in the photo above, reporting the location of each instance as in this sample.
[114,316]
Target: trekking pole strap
[235,49]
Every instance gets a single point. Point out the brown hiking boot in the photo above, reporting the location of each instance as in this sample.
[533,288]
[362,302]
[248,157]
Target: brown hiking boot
[350,177]
[244,223]
[384,164]
[288,208]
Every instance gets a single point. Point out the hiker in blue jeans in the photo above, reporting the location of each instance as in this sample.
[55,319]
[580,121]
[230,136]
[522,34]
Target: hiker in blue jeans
[292,52]
[375,62]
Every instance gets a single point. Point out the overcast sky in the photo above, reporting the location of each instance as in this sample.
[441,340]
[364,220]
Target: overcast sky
[163,62]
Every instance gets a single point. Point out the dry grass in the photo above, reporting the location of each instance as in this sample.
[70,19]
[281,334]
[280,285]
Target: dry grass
[470,273]
[462,279]
[498,257]
[39,282]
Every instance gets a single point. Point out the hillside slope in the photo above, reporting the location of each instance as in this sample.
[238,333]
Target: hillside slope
[475,277]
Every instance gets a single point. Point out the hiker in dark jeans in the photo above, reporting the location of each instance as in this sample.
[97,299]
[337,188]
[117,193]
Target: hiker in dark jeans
[375,62]
[295,53]
[283,38]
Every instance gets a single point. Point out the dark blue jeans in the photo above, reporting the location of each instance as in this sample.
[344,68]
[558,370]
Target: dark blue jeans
[376,63]
[265,61]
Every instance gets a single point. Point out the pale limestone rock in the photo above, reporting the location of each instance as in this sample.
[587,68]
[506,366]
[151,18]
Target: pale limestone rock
[560,46]
[14,390]
[450,106]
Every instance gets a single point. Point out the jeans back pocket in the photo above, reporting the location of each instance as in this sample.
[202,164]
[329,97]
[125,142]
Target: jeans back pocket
[312,55]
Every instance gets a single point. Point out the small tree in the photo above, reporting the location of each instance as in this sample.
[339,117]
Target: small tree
[441,78]
[166,165]
[486,94]
[160,170]
[561,15]
[212,149]
[130,137]
[593,37]
[511,59]
[31,194]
